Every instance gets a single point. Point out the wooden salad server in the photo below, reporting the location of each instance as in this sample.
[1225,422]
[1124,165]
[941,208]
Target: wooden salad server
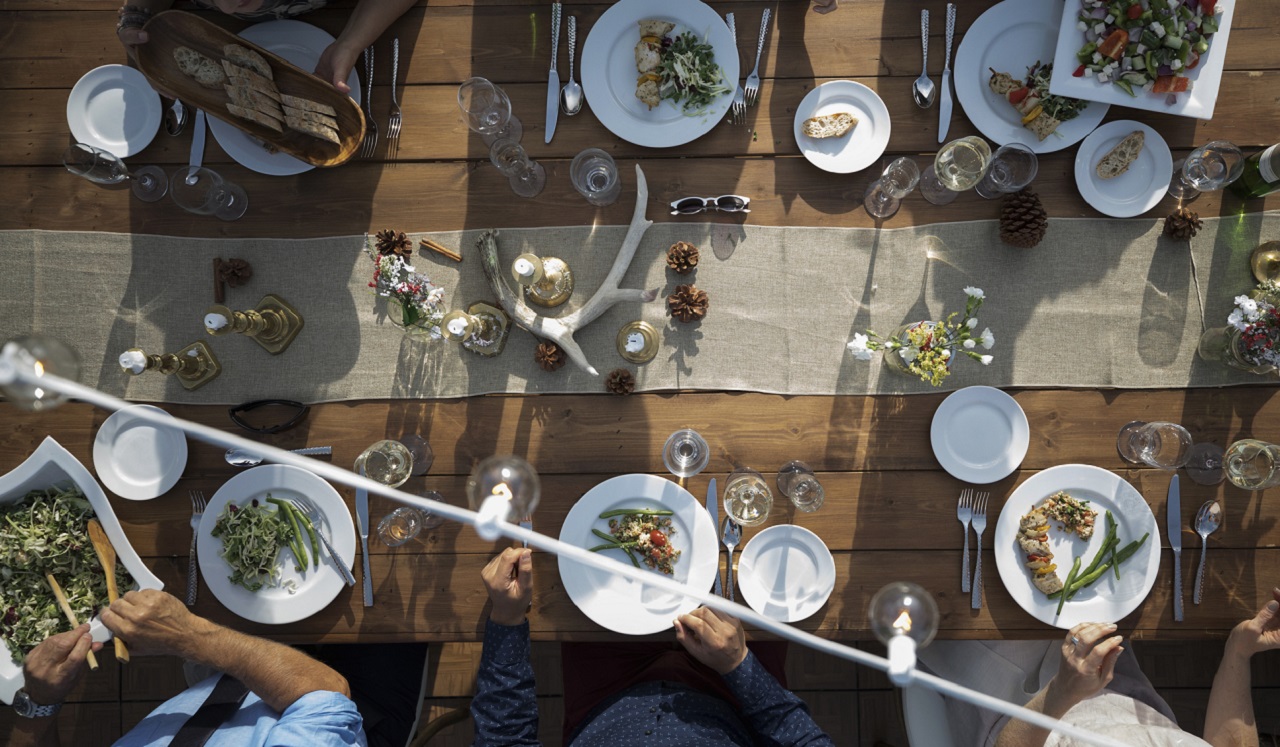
[107,556]
[71,615]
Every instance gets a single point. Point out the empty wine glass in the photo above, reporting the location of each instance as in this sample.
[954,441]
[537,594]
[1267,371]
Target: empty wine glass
[1209,168]
[421,452]
[527,176]
[747,497]
[797,482]
[488,110]
[1012,167]
[1204,465]
[884,196]
[959,166]
[102,167]
[685,453]
[203,192]
[1157,444]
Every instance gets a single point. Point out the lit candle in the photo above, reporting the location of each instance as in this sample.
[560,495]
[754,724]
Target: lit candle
[457,326]
[523,267]
[133,361]
[635,342]
[214,321]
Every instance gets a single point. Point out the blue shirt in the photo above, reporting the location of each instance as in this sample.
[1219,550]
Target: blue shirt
[317,719]
[652,714]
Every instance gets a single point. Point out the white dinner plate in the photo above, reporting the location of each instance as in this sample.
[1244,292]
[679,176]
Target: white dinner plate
[316,587]
[113,107]
[1135,191]
[1011,37]
[626,606]
[979,434]
[299,43]
[856,149]
[1107,600]
[609,72]
[1198,102]
[786,573]
[136,459]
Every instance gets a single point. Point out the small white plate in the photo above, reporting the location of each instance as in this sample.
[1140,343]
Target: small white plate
[1135,191]
[979,434]
[856,149]
[786,573]
[114,108]
[316,587]
[136,459]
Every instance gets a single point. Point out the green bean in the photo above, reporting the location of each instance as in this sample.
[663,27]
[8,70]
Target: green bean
[1107,541]
[611,546]
[1071,577]
[1115,565]
[631,555]
[636,512]
[296,542]
[604,536]
[311,533]
[1121,556]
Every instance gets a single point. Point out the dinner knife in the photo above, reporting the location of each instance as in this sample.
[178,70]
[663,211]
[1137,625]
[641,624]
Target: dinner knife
[715,524]
[944,110]
[362,521]
[553,83]
[197,142]
[1174,517]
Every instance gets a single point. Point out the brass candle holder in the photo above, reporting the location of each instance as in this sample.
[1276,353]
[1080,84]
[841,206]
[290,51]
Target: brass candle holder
[482,328]
[547,281]
[194,366]
[272,324]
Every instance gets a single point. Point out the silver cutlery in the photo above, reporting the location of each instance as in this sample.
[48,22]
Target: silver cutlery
[731,536]
[175,118]
[242,458]
[737,112]
[362,523]
[923,90]
[712,501]
[370,124]
[944,112]
[553,81]
[753,80]
[1208,519]
[979,526]
[1173,523]
[309,511]
[964,512]
[393,122]
[197,512]
[526,523]
[571,94]
[197,146]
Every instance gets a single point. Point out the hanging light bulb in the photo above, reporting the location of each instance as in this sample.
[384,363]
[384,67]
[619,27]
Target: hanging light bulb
[904,617]
[501,487]
[23,360]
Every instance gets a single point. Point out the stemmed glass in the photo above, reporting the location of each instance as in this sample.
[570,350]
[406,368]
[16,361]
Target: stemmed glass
[488,110]
[884,196]
[1013,167]
[527,176]
[407,522]
[959,166]
[747,497]
[797,482]
[102,167]
[1209,168]
[203,192]
[1156,444]
[685,453]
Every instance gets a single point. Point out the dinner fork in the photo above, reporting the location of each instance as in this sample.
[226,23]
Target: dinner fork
[979,526]
[197,511]
[393,123]
[313,515]
[738,110]
[753,80]
[370,124]
[526,523]
[964,512]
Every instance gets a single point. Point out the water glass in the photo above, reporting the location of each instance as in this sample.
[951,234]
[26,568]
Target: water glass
[884,196]
[797,482]
[526,176]
[1251,464]
[595,176]
[488,110]
[1158,444]
[103,167]
[203,192]
[685,453]
[388,462]
[1013,167]
[747,498]
[1209,168]
[959,166]
[400,526]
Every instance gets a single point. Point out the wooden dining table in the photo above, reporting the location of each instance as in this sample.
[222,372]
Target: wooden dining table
[890,510]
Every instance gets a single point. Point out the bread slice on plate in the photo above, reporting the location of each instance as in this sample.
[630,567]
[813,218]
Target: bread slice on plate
[195,65]
[297,102]
[829,125]
[242,95]
[247,58]
[255,116]
[246,76]
[1118,159]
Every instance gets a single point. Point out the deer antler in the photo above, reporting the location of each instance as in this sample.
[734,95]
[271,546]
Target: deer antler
[560,331]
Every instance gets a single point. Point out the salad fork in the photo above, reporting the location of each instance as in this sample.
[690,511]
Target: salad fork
[964,512]
[197,511]
[739,108]
[370,124]
[979,526]
[313,515]
[393,123]
[753,80]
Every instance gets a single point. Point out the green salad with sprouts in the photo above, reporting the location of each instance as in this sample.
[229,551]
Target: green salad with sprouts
[252,536]
[690,75]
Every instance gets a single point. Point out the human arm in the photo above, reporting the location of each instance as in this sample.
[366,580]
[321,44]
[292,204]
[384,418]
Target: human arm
[369,19]
[825,6]
[505,708]
[1229,718]
[132,16]
[50,672]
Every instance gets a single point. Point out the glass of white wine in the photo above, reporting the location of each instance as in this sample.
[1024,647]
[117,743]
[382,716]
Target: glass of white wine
[526,176]
[884,196]
[1251,464]
[1158,444]
[1013,167]
[958,167]
[102,167]
[388,462]
[1209,168]
[1265,261]
[747,498]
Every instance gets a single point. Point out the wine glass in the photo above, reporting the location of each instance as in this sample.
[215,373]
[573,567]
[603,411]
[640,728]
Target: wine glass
[526,176]
[203,192]
[884,196]
[1013,167]
[1209,168]
[1265,261]
[797,482]
[747,498]
[1156,444]
[388,462]
[421,452]
[102,167]
[685,453]
[959,166]
[407,522]
[488,110]
[1251,464]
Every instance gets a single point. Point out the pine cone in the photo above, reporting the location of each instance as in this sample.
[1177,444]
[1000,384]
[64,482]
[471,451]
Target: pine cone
[682,257]
[235,272]
[394,242]
[549,356]
[688,304]
[1023,220]
[620,381]
[1182,224]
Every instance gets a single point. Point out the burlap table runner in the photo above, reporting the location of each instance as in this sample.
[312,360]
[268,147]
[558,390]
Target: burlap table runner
[1101,303]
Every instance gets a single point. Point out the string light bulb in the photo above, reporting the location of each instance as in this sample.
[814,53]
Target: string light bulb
[24,360]
[501,487]
[904,617]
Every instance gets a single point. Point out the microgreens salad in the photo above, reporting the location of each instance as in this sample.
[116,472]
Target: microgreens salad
[1145,45]
[690,75]
[252,537]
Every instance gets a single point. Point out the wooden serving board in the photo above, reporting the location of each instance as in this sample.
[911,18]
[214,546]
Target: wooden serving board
[175,28]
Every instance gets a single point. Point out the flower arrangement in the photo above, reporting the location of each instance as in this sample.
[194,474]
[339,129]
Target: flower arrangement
[1259,324]
[421,301]
[926,349]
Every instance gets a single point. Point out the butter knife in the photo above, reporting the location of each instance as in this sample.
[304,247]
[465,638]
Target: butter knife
[553,83]
[362,522]
[944,111]
[715,522]
[1173,517]
[197,143]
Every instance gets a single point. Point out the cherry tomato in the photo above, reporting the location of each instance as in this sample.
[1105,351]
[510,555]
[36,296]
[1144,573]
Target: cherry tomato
[1079,73]
[657,538]
[1134,11]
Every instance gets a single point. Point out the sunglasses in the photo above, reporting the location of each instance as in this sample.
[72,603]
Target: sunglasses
[273,416]
[723,203]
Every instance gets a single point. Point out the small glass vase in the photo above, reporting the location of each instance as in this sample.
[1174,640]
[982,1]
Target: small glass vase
[1224,345]
[894,361]
[409,321]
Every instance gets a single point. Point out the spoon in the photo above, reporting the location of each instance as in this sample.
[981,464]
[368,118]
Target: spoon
[107,556]
[923,90]
[241,458]
[1208,519]
[571,94]
[175,118]
[731,536]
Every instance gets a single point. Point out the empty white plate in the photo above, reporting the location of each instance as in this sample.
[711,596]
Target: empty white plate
[786,573]
[1135,191]
[114,108]
[979,434]
[856,149]
[136,459]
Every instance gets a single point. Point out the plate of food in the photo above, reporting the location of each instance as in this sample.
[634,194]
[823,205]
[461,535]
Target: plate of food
[262,562]
[648,522]
[1003,76]
[979,434]
[1080,524]
[137,459]
[47,501]
[1123,168]
[786,573]
[842,126]
[1157,56]
[659,73]
[114,108]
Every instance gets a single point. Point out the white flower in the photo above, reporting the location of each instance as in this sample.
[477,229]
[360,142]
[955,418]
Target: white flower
[969,344]
[908,353]
[1236,319]
[988,339]
[986,360]
[945,354]
[973,323]
[974,292]
[859,347]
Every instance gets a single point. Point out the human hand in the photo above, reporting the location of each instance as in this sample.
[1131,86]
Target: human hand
[1088,664]
[509,579]
[52,669]
[335,65]
[713,638]
[825,6]
[153,622]
[1260,633]
[132,37]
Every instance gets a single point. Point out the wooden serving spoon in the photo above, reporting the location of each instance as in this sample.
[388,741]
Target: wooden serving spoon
[107,556]
[71,615]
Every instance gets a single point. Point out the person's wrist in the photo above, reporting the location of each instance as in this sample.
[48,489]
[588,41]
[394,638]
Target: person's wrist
[509,618]
[195,640]
[1059,698]
[1238,645]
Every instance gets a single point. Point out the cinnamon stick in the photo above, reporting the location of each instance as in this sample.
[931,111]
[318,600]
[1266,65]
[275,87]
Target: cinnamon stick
[438,249]
[219,290]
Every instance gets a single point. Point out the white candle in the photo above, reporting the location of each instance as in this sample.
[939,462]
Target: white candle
[214,321]
[635,342]
[523,267]
[133,361]
[457,327]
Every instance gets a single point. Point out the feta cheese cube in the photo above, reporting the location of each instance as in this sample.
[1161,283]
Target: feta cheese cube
[1097,57]
[1082,25]
[1103,77]
[1176,64]
[1141,47]
[1099,28]
[1110,19]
